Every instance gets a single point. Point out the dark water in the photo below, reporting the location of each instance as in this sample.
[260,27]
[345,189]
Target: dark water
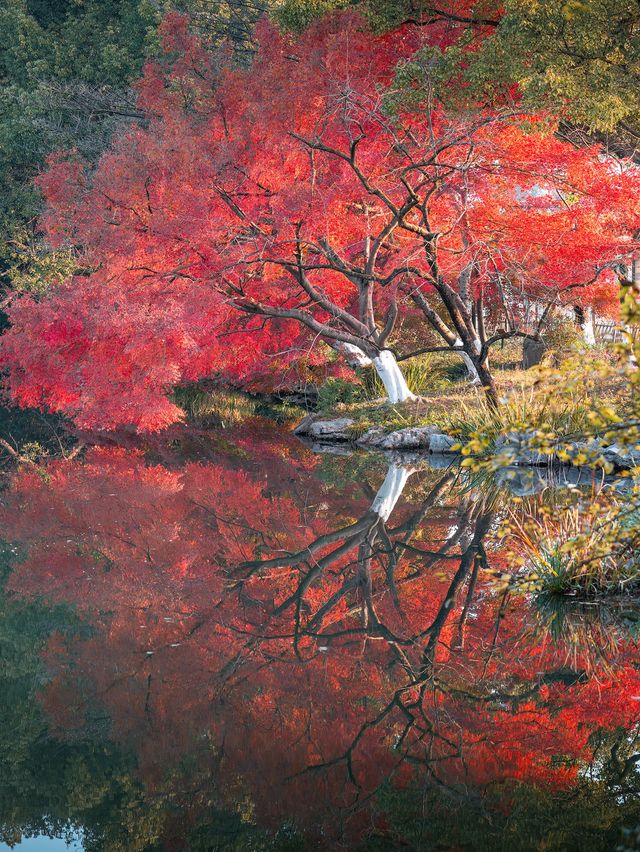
[226,645]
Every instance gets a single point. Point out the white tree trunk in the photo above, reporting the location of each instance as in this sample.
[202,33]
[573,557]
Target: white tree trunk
[386,367]
[633,361]
[354,356]
[472,373]
[391,377]
[588,328]
[390,490]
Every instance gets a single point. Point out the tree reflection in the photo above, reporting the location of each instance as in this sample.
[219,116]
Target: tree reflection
[309,656]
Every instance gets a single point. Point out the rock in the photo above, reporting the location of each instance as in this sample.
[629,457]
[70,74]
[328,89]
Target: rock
[515,445]
[622,458]
[303,426]
[372,437]
[625,485]
[411,438]
[439,443]
[532,352]
[524,481]
[325,430]
[331,430]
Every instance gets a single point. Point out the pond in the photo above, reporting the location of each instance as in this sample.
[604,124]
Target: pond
[235,642]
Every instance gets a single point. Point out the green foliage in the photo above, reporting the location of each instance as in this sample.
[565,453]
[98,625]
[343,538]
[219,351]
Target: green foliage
[561,337]
[424,374]
[65,70]
[296,15]
[579,624]
[550,414]
[580,58]
[335,392]
[32,266]
[232,20]
[33,434]
[591,548]
[221,408]
[591,817]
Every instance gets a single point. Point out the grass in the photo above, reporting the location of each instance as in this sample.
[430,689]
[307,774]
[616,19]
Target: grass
[580,551]
[535,400]
[223,408]
[210,409]
[462,409]
[425,375]
[556,405]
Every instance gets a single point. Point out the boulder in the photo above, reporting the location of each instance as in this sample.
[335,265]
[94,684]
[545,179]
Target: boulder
[331,430]
[516,446]
[439,443]
[623,458]
[532,352]
[325,430]
[303,426]
[411,438]
[372,437]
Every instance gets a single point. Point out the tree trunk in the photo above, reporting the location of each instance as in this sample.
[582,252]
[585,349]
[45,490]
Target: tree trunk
[353,355]
[588,328]
[386,367]
[472,373]
[488,384]
[391,377]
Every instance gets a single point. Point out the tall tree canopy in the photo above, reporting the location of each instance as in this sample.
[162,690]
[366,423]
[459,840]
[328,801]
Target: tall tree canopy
[65,70]
[580,58]
[65,81]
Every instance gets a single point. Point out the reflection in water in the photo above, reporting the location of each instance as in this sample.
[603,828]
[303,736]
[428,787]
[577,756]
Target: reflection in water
[272,649]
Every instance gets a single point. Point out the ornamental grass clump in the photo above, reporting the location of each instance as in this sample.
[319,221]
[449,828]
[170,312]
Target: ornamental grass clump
[542,418]
[583,550]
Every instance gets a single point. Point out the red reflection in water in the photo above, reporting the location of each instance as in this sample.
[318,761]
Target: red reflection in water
[267,622]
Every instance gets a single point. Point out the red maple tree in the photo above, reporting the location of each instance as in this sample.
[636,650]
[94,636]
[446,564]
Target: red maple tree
[262,210]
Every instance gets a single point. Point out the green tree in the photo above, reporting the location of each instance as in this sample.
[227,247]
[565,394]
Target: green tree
[65,70]
[581,59]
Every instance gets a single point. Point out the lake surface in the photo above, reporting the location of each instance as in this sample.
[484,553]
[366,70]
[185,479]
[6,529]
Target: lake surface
[234,643]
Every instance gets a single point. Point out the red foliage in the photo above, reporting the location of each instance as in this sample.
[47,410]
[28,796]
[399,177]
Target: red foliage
[198,227]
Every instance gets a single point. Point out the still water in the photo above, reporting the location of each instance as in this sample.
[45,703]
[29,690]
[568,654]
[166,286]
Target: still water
[240,644]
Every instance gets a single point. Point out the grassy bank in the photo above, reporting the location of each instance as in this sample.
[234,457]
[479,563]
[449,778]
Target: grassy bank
[529,399]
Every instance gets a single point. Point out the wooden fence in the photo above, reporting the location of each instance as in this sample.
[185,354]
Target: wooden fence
[608,331]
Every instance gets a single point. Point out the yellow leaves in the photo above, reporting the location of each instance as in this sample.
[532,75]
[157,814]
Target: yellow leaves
[572,7]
